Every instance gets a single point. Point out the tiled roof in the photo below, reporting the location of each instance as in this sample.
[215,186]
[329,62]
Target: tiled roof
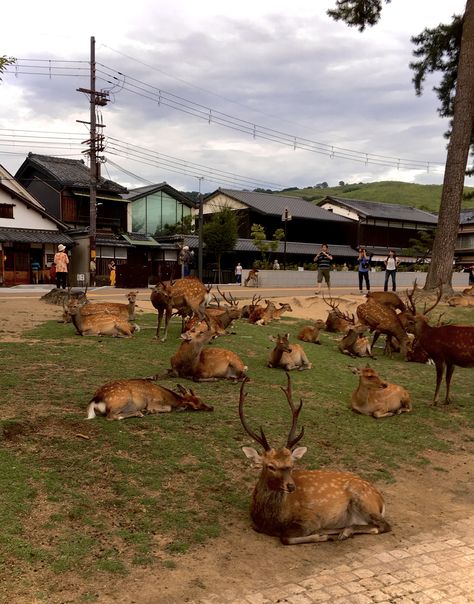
[467,216]
[140,239]
[375,209]
[33,236]
[140,192]
[268,203]
[292,247]
[72,172]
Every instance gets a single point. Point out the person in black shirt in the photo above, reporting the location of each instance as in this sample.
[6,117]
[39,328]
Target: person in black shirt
[323,259]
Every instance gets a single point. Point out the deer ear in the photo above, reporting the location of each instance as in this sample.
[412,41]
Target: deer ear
[298,453]
[252,454]
[355,370]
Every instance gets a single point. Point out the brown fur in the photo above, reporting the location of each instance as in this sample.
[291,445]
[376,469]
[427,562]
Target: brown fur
[378,398]
[310,333]
[287,357]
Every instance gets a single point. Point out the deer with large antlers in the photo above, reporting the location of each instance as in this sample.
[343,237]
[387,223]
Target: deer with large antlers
[307,506]
[201,364]
[377,397]
[447,345]
[188,296]
[337,321]
[137,397]
[287,357]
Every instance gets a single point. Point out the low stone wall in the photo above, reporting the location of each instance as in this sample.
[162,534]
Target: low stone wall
[343,279]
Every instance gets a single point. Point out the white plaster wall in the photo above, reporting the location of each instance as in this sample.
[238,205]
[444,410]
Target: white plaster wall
[24,217]
[340,211]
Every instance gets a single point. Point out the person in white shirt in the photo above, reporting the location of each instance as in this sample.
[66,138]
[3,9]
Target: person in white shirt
[391,264]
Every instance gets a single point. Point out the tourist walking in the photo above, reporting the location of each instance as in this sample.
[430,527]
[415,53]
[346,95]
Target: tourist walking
[323,259]
[391,264]
[364,265]
[238,274]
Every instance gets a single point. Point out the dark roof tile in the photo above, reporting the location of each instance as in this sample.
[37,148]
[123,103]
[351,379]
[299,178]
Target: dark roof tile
[376,209]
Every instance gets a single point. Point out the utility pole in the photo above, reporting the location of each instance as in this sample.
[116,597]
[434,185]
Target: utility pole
[286,216]
[95,146]
[200,221]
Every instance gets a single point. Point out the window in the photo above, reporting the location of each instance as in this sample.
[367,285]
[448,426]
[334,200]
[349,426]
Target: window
[6,210]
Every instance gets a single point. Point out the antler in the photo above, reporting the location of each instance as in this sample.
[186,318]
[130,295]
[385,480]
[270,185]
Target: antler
[339,313]
[411,302]
[438,298]
[262,440]
[230,300]
[292,440]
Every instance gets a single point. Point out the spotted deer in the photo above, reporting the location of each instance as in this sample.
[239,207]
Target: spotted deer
[307,506]
[104,324]
[378,398]
[201,364]
[188,296]
[137,397]
[261,312]
[310,333]
[448,345]
[124,311]
[287,357]
[382,318]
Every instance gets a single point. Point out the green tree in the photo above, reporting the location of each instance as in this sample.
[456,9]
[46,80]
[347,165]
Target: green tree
[220,235]
[266,247]
[184,227]
[420,247]
[448,49]
[5,62]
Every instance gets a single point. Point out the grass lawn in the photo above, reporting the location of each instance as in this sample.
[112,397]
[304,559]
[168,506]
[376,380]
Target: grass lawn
[100,497]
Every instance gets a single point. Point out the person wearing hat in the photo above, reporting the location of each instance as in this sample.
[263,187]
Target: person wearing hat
[61,261]
[184,258]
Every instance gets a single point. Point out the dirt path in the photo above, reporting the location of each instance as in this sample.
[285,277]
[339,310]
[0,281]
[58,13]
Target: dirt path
[421,500]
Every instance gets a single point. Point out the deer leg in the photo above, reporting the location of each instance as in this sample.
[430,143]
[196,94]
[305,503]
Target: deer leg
[158,325]
[379,414]
[375,338]
[439,378]
[449,375]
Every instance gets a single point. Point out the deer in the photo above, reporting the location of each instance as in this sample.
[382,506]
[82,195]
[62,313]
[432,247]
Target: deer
[354,343]
[137,397]
[104,324]
[337,321]
[188,295]
[258,314]
[469,291]
[270,313]
[218,323]
[201,364]
[448,345]
[249,308]
[307,506]
[287,357]
[310,333]
[124,311]
[252,277]
[464,300]
[382,319]
[390,299]
[378,398]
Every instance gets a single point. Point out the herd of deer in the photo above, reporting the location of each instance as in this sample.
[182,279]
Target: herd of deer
[298,506]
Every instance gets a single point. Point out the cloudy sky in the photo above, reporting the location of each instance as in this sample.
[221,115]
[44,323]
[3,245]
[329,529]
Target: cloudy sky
[304,99]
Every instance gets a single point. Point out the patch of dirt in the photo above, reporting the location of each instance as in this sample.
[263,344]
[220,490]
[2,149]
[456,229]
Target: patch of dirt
[421,500]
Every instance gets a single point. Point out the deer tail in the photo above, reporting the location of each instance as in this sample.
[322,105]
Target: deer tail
[94,406]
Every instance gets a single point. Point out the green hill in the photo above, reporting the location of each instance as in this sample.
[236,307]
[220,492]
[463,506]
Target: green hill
[424,197]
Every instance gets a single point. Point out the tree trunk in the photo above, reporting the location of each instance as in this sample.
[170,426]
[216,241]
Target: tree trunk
[441,267]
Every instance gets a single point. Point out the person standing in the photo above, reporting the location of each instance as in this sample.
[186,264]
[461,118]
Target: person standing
[276,265]
[183,260]
[391,264]
[112,272]
[238,274]
[35,269]
[471,275]
[93,271]
[61,262]
[323,259]
[364,265]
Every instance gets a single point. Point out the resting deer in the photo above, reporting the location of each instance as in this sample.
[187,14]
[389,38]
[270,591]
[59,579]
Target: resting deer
[188,295]
[249,308]
[354,343]
[218,324]
[261,312]
[307,506]
[201,364]
[287,357]
[337,321]
[124,311]
[469,291]
[378,398]
[464,300]
[310,333]
[137,397]
[447,345]
[99,325]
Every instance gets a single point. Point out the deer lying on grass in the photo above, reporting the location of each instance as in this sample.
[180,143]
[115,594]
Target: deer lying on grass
[287,357]
[378,398]
[469,291]
[461,301]
[249,308]
[124,311]
[201,364]
[218,324]
[337,321]
[310,333]
[137,397]
[104,324]
[447,345]
[270,313]
[262,311]
[354,343]
[307,506]
[188,296]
